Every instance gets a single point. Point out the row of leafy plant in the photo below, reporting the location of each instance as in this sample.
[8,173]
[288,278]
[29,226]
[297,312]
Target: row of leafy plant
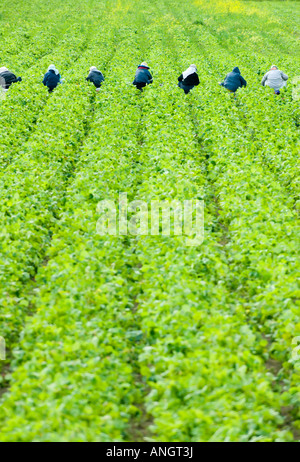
[256,213]
[272,124]
[25,103]
[76,359]
[191,329]
[33,188]
[147,336]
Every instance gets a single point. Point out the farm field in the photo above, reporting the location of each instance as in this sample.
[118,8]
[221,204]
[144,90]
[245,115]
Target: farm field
[143,338]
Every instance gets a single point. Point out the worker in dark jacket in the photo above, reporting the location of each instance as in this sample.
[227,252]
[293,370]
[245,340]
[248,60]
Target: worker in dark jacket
[188,79]
[51,78]
[96,77]
[7,78]
[142,76]
[233,81]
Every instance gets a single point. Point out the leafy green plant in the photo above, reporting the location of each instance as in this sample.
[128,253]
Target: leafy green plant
[108,333]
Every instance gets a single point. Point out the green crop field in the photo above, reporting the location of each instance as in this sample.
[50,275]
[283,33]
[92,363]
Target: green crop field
[144,338]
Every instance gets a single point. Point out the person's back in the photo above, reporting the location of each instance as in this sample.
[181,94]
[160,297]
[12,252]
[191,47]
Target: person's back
[142,76]
[275,79]
[7,78]
[234,80]
[95,76]
[51,78]
[188,79]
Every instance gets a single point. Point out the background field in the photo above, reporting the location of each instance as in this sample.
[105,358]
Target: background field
[144,338]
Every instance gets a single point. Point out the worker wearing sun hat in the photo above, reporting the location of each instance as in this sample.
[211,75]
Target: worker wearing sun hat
[275,79]
[7,78]
[96,77]
[188,79]
[51,78]
[142,76]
